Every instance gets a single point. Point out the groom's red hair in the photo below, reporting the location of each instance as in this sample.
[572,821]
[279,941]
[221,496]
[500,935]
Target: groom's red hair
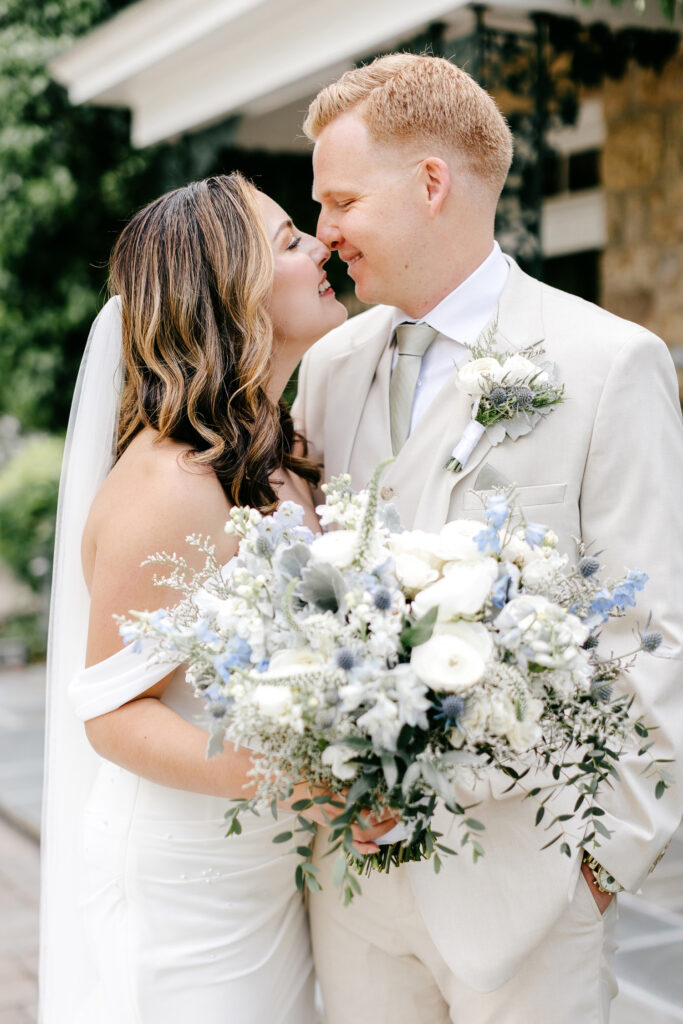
[403,97]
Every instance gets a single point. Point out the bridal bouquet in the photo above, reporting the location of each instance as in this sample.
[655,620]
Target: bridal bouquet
[384,666]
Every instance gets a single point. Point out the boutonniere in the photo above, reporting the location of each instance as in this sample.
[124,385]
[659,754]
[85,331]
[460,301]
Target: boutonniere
[510,394]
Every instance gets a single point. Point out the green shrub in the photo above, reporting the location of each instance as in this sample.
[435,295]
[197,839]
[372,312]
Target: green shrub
[29,484]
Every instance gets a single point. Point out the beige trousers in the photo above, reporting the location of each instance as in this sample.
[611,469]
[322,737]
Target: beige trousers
[376,962]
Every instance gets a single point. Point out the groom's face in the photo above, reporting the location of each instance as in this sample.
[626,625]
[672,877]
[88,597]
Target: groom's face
[373,211]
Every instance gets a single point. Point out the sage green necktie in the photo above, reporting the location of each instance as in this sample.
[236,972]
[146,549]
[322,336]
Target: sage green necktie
[412,341]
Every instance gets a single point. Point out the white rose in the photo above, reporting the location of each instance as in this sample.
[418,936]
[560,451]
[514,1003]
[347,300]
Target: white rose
[502,717]
[414,573]
[523,736]
[518,551]
[518,370]
[474,719]
[471,375]
[273,701]
[336,756]
[462,592]
[337,548]
[455,542]
[447,663]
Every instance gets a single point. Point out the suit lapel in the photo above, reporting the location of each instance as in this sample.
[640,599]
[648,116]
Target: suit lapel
[348,383]
[424,498]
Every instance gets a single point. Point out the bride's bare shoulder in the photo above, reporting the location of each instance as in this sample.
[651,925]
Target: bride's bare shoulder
[154,483]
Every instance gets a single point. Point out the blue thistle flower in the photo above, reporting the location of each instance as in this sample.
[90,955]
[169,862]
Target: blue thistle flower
[650,641]
[450,708]
[381,599]
[346,659]
[524,397]
[498,397]
[601,691]
[588,566]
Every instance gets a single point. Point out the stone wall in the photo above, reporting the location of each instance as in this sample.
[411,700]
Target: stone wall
[642,173]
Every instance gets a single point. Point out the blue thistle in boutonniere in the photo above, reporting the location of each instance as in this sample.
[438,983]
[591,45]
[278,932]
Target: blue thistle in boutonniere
[510,394]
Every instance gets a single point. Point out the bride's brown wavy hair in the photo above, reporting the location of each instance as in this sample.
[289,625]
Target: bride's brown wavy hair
[194,270]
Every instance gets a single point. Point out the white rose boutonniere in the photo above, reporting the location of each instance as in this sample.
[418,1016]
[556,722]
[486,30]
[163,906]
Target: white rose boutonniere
[510,394]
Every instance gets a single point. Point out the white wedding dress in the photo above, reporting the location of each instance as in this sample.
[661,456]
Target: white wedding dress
[150,915]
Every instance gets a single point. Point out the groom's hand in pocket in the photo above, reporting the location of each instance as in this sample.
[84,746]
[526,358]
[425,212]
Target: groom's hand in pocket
[603,899]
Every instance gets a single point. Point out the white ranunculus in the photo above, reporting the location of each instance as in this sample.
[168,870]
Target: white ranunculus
[414,573]
[447,663]
[336,757]
[519,370]
[338,548]
[273,701]
[471,375]
[473,633]
[462,592]
[456,543]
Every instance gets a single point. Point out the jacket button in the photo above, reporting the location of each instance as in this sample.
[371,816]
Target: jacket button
[387,493]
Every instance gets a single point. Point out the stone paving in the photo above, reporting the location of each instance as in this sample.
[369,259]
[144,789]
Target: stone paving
[650,929]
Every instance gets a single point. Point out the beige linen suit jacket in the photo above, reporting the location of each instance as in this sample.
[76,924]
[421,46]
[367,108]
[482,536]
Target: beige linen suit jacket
[607,466]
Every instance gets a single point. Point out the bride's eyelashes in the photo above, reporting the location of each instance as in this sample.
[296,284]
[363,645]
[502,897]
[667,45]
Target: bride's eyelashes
[295,241]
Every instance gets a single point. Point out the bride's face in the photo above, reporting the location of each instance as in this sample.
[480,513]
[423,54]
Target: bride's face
[302,305]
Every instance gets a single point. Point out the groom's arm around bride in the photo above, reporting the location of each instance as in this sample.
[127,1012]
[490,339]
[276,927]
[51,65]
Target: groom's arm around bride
[409,161]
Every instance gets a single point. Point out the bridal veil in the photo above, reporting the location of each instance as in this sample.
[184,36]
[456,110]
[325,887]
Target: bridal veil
[70,762]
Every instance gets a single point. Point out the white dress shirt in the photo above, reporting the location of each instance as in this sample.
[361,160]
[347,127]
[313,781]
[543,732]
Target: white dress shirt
[459,318]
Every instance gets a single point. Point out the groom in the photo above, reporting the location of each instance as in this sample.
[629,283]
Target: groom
[410,159]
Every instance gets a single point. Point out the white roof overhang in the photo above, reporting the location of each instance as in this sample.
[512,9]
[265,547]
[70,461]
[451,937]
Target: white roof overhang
[182,64]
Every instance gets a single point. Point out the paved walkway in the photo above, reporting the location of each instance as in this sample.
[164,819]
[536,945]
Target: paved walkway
[650,930]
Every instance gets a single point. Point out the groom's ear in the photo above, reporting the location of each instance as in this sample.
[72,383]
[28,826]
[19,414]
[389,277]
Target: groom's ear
[435,178]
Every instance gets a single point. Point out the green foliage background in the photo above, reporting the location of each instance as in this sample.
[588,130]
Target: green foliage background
[68,181]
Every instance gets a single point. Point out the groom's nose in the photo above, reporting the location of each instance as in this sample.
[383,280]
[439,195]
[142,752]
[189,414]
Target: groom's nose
[327,231]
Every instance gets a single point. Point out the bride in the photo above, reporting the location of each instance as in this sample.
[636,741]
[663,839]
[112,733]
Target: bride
[149,913]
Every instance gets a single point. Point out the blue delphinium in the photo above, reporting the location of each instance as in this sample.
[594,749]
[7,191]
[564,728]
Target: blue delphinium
[497,511]
[534,534]
[488,541]
[600,607]
[501,590]
[624,593]
[236,655]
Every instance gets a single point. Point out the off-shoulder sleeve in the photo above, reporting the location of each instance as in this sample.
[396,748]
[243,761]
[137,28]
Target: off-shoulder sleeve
[113,682]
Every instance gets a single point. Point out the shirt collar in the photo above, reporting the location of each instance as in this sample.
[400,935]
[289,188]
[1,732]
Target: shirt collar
[464,313]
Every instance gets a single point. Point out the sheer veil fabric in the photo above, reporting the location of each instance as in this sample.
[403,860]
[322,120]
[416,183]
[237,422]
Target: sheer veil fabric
[70,763]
